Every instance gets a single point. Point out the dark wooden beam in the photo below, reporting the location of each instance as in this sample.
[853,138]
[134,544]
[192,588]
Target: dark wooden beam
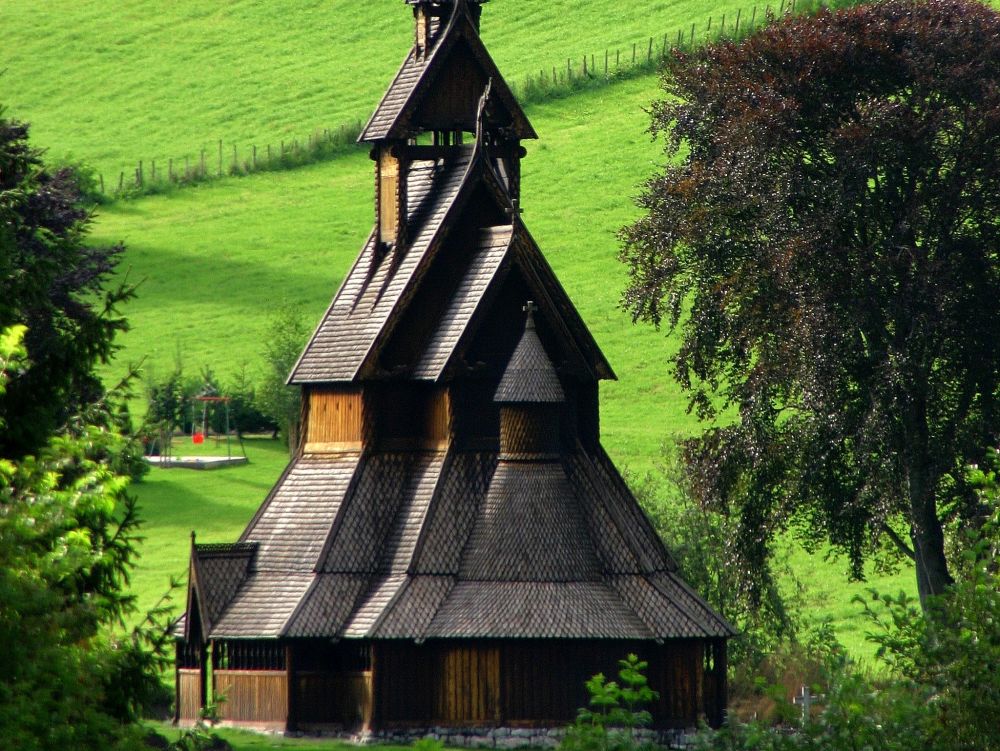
[292,721]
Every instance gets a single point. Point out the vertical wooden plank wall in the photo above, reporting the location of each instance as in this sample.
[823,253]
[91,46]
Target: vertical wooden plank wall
[252,695]
[438,423]
[335,420]
[334,698]
[188,693]
[679,669]
[530,682]
[468,684]
[388,195]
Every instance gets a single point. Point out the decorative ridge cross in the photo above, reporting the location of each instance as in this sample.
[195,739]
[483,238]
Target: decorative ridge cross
[529,308]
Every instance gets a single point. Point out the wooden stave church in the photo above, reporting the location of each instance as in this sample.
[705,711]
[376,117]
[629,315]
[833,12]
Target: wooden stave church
[450,520]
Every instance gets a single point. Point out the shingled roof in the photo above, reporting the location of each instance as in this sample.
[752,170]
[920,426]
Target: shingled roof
[376,283]
[376,293]
[417,77]
[529,376]
[447,545]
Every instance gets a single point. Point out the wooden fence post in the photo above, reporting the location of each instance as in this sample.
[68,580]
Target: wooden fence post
[605,62]
[121,182]
[618,59]
[692,36]
[649,54]
[633,54]
[234,156]
[101,176]
[584,66]
[138,173]
[255,156]
[154,170]
[170,170]
[220,157]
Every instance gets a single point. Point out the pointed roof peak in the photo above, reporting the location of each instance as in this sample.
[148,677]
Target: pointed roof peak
[530,376]
[453,56]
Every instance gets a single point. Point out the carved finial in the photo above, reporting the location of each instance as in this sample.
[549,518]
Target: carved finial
[530,308]
[481,111]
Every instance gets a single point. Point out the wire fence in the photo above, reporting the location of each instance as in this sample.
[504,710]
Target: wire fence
[588,71]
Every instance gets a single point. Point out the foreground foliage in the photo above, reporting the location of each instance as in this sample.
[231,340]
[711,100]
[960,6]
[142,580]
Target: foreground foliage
[68,534]
[55,284]
[71,677]
[943,686]
[615,711]
[830,237]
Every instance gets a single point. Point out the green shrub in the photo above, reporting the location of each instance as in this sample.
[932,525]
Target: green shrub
[616,709]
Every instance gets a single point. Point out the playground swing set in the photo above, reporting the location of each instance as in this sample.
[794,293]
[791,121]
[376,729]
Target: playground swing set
[200,432]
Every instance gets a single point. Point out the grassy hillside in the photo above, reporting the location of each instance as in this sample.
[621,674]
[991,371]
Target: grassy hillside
[112,83]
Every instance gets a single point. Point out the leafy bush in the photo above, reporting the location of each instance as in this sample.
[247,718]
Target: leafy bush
[616,710]
[68,534]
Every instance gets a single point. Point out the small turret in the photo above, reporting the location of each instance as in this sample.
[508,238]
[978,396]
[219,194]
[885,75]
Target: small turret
[530,398]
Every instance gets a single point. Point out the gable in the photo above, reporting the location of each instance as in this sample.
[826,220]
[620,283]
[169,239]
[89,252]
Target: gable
[470,322]
[457,65]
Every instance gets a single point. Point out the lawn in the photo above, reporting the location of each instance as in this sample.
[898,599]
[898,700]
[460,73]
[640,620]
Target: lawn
[243,740]
[113,83]
[216,503]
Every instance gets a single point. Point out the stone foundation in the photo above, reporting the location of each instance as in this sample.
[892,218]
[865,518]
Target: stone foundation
[493,737]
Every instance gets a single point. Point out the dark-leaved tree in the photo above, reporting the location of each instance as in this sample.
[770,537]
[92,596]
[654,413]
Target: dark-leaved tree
[70,676]
[826,236]
[55,284]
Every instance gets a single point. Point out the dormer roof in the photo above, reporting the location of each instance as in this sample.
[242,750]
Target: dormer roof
[456,61]
[530,376]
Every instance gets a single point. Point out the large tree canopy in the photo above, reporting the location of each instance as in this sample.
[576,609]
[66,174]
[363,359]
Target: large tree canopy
[825,237]
[53,282]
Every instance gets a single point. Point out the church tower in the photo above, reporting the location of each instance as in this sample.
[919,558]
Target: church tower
[450,520]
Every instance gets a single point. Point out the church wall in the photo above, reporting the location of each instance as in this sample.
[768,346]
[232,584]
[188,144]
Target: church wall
[188,694]
[335,419]
[409,416]
[525,682]
[332,683]
[252,696]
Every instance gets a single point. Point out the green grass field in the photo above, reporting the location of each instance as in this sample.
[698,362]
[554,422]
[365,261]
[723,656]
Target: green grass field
[114,83]
[243,740]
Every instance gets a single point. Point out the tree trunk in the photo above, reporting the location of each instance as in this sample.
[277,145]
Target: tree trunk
[925,527]
[928,547]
